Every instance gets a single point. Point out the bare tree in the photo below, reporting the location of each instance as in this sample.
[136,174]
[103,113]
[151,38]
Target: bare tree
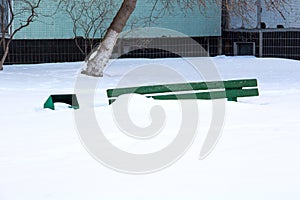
[8,16]
[97,61]
[89,19]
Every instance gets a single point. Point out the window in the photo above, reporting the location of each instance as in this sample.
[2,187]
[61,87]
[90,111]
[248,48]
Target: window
[244,48]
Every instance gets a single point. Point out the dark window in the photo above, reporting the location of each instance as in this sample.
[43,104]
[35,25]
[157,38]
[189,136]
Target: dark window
[244,48]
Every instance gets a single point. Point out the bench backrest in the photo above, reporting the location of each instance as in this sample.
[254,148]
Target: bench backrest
[230,89]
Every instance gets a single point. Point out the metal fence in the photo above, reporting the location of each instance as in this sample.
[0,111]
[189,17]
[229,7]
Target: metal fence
[261,43]
[66,50]
[283,43]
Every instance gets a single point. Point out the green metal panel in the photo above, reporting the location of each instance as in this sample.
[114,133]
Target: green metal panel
[69,99]
[57,24]
[49,103]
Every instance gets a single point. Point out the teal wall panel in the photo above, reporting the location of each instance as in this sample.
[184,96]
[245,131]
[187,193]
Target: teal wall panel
[206,22]
[51,23]
[55,24]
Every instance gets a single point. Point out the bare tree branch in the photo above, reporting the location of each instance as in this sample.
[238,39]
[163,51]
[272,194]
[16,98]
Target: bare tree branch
[6,8]
[89,18]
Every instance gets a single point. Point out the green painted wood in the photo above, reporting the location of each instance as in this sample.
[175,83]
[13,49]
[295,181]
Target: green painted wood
[182,87]
[210,95]
[232,99]
[69,99]
[231,90]
[231,95]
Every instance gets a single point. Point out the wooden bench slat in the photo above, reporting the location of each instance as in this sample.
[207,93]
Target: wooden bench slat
[154,89]
[229,94]
[210,95]
[231,90]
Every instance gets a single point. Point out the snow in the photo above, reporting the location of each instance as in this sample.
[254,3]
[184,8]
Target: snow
[42,157]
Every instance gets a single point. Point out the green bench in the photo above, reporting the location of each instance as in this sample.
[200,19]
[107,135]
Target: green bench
[231,89]
[69,99]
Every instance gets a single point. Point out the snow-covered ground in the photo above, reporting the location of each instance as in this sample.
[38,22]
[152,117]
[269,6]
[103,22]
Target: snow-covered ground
[257,157]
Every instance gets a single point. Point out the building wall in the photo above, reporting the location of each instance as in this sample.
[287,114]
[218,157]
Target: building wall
[290,19]
[50,24]
[57,25]
[193,23]
[290,12]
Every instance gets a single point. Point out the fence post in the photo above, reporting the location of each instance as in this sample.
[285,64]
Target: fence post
[220,45]
[260,43]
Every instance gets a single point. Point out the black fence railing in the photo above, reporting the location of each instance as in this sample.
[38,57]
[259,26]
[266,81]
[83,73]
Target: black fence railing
[271,43]
[268,43]
[66,50]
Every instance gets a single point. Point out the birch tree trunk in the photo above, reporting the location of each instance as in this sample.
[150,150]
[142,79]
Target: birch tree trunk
[97,61]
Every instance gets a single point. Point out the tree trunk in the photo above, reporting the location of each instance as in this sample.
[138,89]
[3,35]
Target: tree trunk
[1,64]
[97,61]
[6,49]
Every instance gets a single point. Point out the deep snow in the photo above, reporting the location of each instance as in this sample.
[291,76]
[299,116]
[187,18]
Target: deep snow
[41,156]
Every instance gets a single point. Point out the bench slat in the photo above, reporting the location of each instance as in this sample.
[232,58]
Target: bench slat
[231,84]
[210,95]
[231,94]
